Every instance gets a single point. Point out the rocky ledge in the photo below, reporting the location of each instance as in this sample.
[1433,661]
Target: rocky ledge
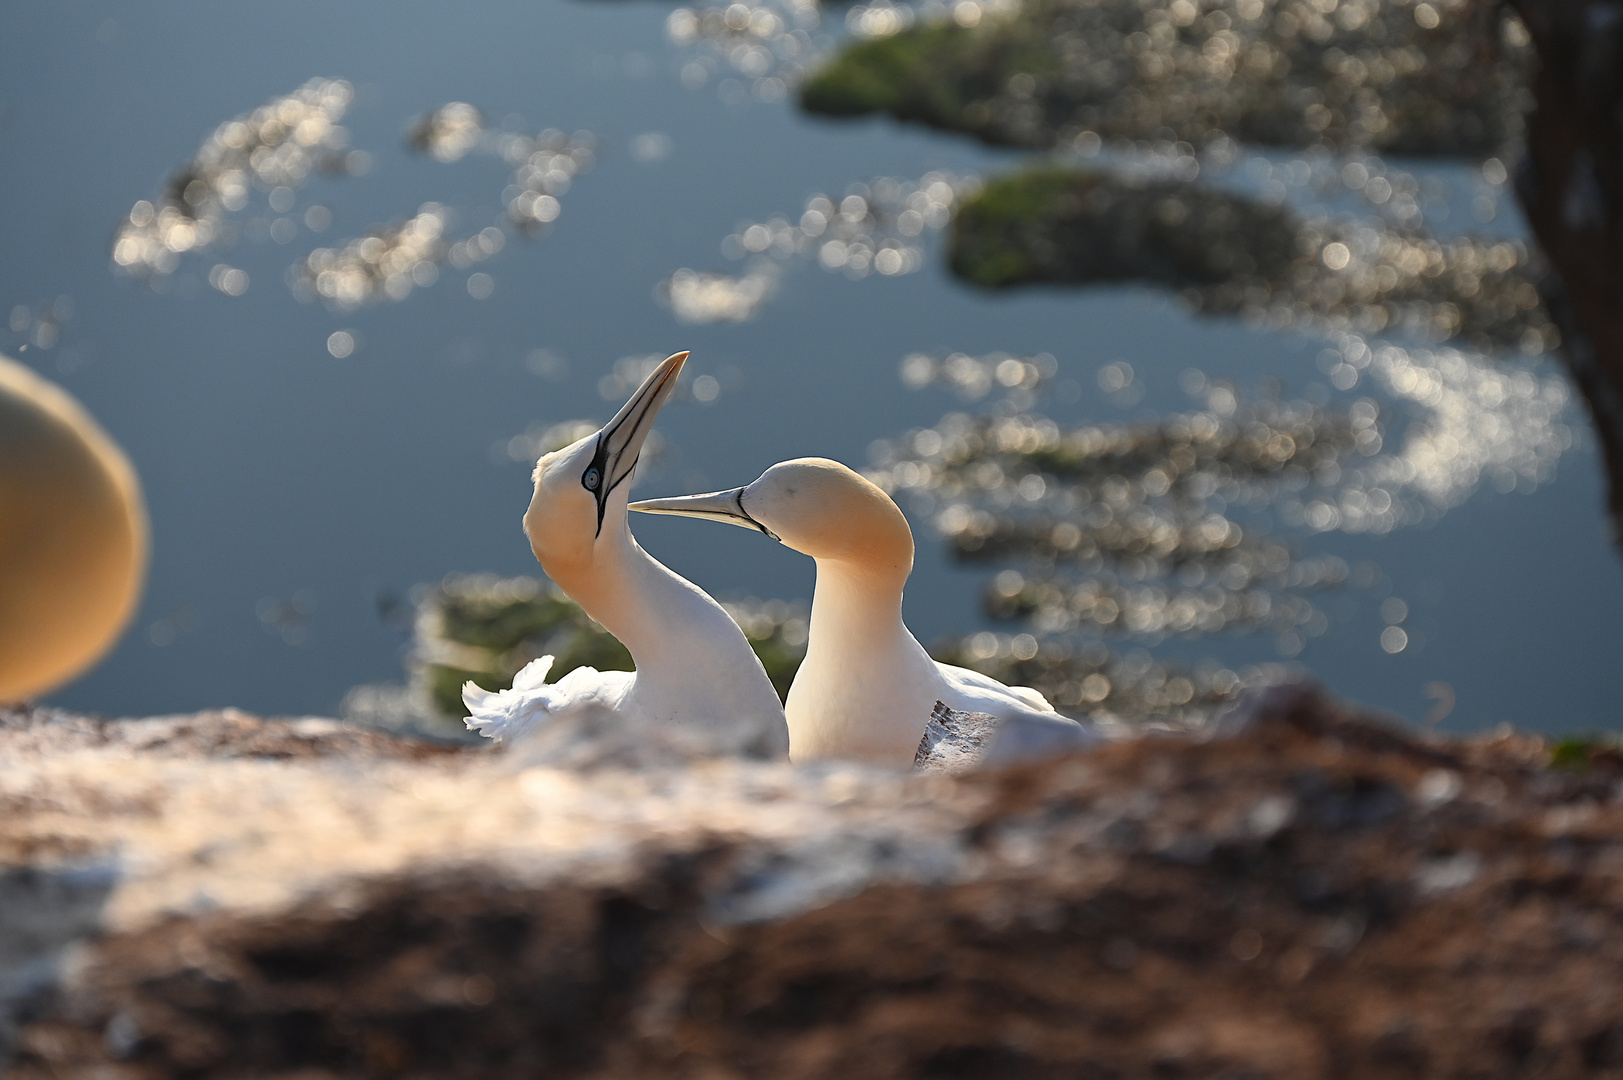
[1306,892]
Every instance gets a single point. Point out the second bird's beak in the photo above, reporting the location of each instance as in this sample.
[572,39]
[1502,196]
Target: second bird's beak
[725,506]
[620,441]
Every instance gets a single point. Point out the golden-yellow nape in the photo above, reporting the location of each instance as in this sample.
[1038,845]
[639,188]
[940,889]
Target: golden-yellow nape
[73,536]
[817,506]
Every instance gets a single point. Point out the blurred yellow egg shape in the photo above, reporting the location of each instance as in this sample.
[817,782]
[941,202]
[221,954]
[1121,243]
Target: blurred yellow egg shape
[73,536]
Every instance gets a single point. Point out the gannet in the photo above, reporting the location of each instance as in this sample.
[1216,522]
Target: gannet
[697,684]
[867,687]
[73,536]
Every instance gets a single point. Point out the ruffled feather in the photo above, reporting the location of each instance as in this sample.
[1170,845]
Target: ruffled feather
[506,715]
[511,715]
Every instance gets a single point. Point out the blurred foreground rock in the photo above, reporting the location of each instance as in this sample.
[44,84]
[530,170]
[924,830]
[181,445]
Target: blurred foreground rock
[1306,894]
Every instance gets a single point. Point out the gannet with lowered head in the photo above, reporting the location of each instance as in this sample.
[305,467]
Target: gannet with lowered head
[697,682]
[866,687]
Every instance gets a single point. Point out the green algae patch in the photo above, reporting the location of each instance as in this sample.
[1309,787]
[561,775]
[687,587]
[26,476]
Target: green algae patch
[902,75]
[1379,75]
[1062,226]
[490,619]
[997,237]
[484,629]
[1580,753]
[1229,254]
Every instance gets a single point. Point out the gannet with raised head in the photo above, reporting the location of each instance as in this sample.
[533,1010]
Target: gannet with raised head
[867,687]
[697,682]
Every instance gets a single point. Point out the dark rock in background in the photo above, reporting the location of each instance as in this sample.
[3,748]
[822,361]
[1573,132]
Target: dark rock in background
[1571,188]
[1229,254]
[1065,226]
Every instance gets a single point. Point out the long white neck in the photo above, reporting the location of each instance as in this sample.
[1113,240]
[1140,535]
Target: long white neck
[857,610]
[859,692]
[694,666]
[637,599]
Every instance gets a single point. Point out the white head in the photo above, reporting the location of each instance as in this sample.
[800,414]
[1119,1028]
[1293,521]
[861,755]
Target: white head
[814,505]
[581,491]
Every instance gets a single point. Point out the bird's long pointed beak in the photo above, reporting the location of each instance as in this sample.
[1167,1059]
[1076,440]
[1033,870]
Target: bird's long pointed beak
[624,435]
[725,506]
[620,441]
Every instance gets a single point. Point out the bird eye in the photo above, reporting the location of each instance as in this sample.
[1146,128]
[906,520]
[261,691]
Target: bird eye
[591,479]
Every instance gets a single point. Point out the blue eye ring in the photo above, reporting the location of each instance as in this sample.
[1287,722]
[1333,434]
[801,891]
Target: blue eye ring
[592,479]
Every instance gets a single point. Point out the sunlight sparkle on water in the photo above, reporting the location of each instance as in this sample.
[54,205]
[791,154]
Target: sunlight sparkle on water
[1140,529]
[389,261]
[877,227]
[275,148]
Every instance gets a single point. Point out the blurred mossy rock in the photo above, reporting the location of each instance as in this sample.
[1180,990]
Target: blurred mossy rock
[486,628]
[1068,226]
[1383,76]
[1230,254]
[483,628]
[1309,894]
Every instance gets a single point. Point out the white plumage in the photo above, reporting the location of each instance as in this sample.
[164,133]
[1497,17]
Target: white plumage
[698,684]
[511,715]
[867,687]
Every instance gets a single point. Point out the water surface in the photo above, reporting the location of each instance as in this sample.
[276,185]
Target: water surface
[292,488]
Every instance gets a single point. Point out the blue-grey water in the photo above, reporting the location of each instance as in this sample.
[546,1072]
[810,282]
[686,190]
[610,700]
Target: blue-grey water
[290,488]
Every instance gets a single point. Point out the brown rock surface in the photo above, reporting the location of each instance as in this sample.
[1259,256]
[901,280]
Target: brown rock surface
[1311,894]
[221,733]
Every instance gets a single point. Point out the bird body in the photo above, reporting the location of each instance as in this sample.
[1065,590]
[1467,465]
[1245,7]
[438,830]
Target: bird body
[697,683]
[73,536]
[867,687]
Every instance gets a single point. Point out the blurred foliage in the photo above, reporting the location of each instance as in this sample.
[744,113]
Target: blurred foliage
[1578,753]
[1383,75]
[1571,752]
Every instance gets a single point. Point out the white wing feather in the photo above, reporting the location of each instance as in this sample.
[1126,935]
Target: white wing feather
[982,693]
[510,715]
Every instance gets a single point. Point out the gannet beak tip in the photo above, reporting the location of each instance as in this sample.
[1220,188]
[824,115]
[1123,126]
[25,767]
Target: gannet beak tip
[670,367]
[727,506]
[620,441]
